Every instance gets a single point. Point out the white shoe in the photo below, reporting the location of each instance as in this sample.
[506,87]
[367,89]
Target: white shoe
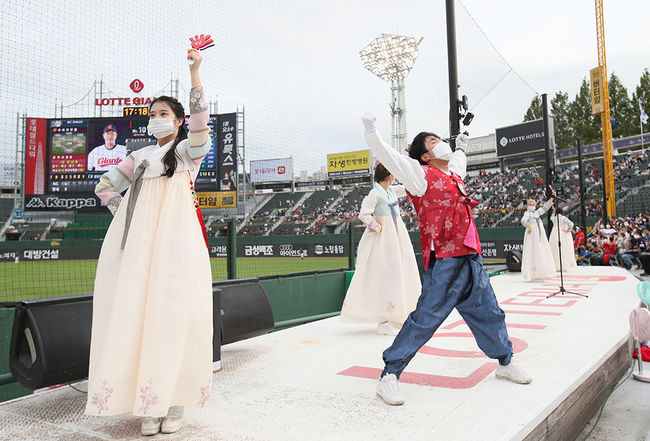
[387,328]
[388,390]
[634,267]
[150,426]
[513,373]
[174,419]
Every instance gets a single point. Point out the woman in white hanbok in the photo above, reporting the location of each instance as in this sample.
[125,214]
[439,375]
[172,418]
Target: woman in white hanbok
[151,343]
[562,226]
[536,259]
[386,282]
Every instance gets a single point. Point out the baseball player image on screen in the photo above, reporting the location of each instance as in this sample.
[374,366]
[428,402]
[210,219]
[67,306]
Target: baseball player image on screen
[108,155]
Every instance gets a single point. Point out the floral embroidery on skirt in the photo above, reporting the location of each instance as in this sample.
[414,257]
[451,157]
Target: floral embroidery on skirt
[205,394]
[149,398]
[100,399]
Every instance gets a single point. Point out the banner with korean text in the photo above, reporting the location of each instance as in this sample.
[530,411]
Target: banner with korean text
[350,163]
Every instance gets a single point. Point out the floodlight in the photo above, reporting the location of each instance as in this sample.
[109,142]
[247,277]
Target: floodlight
[391,58]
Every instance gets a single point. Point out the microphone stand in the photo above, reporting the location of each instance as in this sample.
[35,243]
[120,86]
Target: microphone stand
[559,246]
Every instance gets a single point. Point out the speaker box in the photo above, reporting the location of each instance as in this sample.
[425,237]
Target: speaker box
[50,341]
[245,310]
[513,260]
[216,328]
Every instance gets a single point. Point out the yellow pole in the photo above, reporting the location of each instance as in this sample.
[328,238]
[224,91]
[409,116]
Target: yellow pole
[605,116]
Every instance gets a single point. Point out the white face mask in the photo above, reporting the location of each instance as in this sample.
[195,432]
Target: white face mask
[442,150]
[161,127]
[531,208]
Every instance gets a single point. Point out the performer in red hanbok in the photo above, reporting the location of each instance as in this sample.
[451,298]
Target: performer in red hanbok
[454,276]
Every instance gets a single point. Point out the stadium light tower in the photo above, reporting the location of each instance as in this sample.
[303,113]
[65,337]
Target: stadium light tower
[391,58]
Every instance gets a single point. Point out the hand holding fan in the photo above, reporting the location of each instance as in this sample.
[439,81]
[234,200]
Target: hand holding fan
[200,42]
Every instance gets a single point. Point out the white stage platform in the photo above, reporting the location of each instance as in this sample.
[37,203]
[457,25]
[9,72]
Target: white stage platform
[317,381]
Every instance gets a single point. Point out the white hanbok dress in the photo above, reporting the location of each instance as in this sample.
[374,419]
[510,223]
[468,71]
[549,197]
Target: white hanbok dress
[386,282]
[536,259]
[566,240]
[151,344]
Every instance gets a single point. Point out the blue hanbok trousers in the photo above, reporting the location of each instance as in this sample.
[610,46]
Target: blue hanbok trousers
[448,283]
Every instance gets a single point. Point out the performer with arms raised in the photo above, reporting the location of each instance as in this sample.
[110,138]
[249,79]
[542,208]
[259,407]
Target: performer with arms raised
[151,345]
[536,257]
[454,277]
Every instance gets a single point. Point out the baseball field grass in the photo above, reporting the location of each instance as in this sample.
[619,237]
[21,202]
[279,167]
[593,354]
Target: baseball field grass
[42,279]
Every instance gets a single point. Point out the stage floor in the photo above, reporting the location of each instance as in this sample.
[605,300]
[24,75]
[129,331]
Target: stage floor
[317,381]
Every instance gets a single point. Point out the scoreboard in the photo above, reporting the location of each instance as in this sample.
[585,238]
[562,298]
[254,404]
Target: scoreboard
[66,157]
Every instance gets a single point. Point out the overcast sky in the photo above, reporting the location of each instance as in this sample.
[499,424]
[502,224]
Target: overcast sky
[294,64]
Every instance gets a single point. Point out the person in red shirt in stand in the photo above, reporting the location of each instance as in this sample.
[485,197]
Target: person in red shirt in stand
[579,240]
[609,249]
[454,276]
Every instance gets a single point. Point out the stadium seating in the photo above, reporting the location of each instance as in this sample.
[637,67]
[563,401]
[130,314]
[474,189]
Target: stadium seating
[502,199]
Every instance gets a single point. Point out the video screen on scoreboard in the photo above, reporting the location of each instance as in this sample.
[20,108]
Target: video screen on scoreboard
[81,150]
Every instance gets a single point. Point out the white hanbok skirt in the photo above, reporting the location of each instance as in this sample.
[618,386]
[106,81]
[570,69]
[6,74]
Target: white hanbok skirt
[151,345]
[568,255]
[536,259]
[386,282]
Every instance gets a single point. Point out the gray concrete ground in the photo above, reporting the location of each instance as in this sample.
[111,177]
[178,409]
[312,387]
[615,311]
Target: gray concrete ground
[626,415]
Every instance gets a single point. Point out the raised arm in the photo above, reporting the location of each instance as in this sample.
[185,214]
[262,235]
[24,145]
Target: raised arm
[458,161]
[407,170]
[199,136]
[114,182]
[544,208]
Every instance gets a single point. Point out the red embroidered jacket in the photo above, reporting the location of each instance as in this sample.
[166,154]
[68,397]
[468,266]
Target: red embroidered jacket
[446,218]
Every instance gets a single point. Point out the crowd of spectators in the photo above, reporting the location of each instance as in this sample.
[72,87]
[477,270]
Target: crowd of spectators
[621,241]
[502,198]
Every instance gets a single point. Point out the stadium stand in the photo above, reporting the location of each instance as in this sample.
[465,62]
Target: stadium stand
[502,199]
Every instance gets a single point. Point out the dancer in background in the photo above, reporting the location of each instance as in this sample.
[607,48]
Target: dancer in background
[536,258]
[386,282]
[451,250]
[151,344]
[562,226]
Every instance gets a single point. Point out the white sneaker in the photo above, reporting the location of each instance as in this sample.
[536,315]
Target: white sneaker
[387,328]
[388,390]
[513,373]
[634,267]
[150,426]
[174,419]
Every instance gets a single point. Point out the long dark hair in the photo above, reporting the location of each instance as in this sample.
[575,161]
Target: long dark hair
[169,159]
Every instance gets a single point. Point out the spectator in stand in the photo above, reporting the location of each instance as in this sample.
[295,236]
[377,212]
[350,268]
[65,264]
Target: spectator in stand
[608,246]
[633,252]
[580,239]
[583,255]
[644,245]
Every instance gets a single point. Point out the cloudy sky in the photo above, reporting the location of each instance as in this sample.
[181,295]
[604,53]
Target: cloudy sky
[294,64]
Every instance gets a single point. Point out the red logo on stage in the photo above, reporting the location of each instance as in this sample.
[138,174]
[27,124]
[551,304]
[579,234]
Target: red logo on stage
[136,85]
[281,170]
